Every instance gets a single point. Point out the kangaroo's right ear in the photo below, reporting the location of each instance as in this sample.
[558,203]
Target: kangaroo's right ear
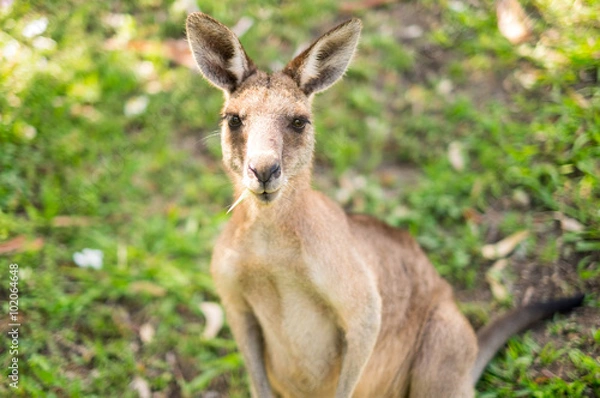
[218,52]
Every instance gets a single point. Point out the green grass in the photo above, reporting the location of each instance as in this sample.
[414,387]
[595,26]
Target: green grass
[148,190]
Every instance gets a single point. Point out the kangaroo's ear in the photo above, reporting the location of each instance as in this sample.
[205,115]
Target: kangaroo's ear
[218,52]
[326,60]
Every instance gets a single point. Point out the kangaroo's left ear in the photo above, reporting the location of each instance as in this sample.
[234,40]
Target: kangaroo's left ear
[218,52]
[326,60]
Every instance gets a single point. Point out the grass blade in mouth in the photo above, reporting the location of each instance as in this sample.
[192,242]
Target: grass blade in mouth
[243,196]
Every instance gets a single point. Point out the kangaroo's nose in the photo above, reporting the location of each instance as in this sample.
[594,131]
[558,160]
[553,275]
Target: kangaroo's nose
[264,174]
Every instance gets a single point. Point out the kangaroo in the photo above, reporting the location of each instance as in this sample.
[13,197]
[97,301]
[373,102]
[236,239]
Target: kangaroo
[322,303]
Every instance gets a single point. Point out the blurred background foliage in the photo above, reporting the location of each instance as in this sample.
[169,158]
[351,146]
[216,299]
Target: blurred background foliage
[464,121]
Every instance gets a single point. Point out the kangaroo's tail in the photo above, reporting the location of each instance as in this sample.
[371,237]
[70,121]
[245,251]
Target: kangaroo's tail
[494,335]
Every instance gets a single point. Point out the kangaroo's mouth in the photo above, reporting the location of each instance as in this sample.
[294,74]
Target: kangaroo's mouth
[265,192]
[266,197]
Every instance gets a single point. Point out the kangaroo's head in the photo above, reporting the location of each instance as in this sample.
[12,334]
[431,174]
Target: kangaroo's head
[267,133]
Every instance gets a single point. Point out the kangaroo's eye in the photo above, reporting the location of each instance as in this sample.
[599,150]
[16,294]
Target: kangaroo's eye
[298,124]
[234,121]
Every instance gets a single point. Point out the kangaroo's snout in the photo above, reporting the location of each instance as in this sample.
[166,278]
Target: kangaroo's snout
[265,172]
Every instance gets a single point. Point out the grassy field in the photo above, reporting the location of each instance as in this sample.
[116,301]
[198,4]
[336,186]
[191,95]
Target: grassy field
[109,141]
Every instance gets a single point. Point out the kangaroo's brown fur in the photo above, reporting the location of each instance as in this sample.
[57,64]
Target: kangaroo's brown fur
[321,304]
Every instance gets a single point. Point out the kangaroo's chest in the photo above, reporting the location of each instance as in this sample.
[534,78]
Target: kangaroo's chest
[302,339]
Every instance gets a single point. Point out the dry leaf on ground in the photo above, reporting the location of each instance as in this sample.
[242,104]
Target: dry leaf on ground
[495,277]
[147,287]
[141,386]
[177,50]
[72,221]
[568,224]
[513,22]
[147,333]
[354,6]
[456,155]
[20,244]
[214,319]
[504,247]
